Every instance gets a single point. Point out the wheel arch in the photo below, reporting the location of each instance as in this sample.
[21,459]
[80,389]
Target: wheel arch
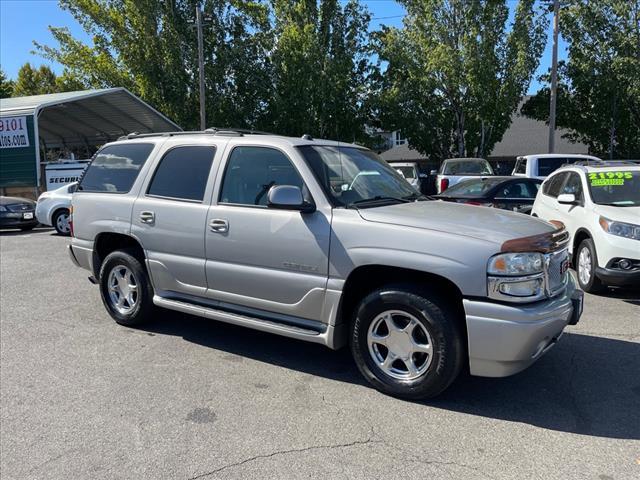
[580,235]
[365,278]
[108,242]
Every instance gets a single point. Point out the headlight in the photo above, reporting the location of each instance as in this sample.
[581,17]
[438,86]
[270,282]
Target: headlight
[620,229]
[516,277]
[510,264]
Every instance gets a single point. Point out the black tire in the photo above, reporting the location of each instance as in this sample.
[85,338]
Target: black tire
[437,316]
[54,221]
[593,285]
[143,308]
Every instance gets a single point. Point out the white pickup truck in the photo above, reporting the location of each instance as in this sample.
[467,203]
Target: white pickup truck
[455,170]
[544,164]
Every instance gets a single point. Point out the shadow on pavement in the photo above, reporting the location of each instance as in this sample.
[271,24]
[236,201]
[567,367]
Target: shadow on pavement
[585,385]
[16,232]
[628,294]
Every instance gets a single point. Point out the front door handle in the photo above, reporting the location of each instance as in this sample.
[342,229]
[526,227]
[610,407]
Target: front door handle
[219,225]
[147,217]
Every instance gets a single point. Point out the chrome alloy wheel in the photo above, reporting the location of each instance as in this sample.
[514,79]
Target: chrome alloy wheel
[400,345]
[123,289]
[62,223]
[584,266]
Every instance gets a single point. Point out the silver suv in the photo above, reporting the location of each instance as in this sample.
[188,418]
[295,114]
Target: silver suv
[324,242]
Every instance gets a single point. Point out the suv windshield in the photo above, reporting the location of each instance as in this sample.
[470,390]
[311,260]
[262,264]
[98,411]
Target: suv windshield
[467,167]
[353,176]
[619,188]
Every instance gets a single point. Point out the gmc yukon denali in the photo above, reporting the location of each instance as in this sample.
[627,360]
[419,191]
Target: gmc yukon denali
[324,242]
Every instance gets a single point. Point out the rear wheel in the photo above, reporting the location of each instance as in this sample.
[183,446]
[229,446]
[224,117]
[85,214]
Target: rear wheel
[60,222]
[125,288]
[587,261]
[407,343]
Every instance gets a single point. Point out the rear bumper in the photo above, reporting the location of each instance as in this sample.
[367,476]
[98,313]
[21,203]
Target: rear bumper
[81,255]
[16,220]
[505,339]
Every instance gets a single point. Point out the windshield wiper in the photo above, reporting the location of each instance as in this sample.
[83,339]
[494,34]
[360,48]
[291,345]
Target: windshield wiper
[417,196]
[376,200]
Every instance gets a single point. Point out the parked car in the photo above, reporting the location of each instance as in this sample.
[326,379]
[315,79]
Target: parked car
[17,212]
[53,208]
[454,170]
[600,206]
[544,164]
[409,171]
[508,193]
[286,235]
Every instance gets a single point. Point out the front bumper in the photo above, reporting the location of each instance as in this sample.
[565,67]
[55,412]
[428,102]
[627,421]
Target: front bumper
[506,339]
[618,277]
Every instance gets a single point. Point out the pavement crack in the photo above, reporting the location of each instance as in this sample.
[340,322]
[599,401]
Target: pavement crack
[285,452]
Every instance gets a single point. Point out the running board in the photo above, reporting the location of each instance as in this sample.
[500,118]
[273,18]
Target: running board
[325,337]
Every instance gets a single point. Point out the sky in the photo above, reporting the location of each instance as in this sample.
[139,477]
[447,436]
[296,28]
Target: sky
[23,21]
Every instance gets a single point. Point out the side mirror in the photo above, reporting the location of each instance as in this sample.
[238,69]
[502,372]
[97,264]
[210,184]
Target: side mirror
[288,197]
[567,199]
[433,172]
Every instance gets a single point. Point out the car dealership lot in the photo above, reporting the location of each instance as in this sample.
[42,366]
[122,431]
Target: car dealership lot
[186,398]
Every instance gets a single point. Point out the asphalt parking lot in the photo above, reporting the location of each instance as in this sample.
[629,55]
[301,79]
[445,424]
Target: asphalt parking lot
[188,398]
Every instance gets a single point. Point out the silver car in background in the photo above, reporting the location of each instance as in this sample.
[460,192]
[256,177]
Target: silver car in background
[53,208]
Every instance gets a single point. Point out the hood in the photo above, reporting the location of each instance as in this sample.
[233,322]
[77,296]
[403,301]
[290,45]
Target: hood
[489,224]
[621,214]
[12,200]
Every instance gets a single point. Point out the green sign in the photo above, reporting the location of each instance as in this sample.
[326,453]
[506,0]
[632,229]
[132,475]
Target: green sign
[606,179]
[18,161]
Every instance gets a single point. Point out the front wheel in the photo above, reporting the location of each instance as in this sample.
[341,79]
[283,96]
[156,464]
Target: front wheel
[586,268]
[407,343]
[125,288]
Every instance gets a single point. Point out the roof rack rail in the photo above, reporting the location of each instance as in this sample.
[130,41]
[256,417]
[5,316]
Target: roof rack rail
[209,131]
[599,163]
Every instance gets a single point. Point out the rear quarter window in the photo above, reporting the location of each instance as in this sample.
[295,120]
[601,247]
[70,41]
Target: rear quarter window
[115,168]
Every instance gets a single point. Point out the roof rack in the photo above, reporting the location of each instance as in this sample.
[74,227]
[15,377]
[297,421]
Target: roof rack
[599,163]
[209,131]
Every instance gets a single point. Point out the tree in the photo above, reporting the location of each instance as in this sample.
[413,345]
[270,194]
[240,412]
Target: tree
[455,73]
[150,47]
[32,81]
[320,66]
[6,85]
[599,93]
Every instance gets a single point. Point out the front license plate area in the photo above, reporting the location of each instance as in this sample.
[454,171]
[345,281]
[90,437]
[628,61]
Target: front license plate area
[27,215]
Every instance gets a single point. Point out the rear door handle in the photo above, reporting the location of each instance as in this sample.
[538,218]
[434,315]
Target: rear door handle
[147,217]
[219,225]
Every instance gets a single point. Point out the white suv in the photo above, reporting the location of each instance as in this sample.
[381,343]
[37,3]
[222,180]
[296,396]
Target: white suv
[600,207]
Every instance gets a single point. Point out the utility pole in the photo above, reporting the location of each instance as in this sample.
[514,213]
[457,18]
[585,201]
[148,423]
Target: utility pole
[203,121]
[554,79]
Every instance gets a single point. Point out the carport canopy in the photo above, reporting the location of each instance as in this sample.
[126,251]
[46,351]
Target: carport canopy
[87,118]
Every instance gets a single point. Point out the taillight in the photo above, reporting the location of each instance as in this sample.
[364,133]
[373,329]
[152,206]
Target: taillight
[444,184]
[71,220]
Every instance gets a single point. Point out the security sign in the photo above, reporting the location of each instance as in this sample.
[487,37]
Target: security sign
[59,174]
[13,132]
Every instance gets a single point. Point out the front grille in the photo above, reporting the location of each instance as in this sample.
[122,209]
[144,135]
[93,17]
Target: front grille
[20,207]
[556,271]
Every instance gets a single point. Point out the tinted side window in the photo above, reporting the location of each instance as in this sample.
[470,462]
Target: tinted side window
[546,166]
[252,171]
[115,168]
[183,172]
[573,185]
[517,190]
[552,186]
